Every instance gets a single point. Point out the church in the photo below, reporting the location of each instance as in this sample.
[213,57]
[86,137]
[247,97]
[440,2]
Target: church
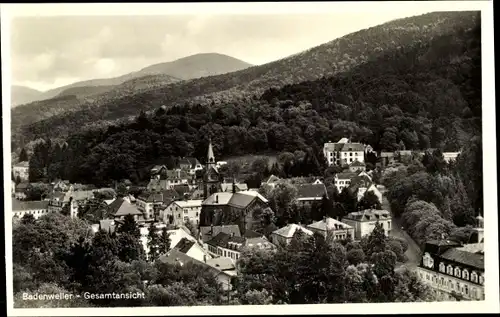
[212,177]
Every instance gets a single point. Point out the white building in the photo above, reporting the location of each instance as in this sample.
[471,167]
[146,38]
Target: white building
[450,156]
[35,208]
[364,221]
[284,235]
[343,152]
[332,227]
[452,271]
[181,211]
[343,180]
[21,169]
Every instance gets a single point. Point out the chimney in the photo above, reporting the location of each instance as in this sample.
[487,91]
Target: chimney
[232,234]
[211,229]
[324,218]
[216,199]
[205,258]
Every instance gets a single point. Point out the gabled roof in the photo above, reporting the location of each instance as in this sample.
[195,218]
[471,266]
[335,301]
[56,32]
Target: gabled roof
[329,224]
[228,187]
[22,186]
[239,200]
[360,181]
[155,169]
[121,207]
[189,203]
[369,215]
[222,263]
[352,147]
[290,230]
[475,260]
[184,245]
[29,205]
[79,195]
[311,191]
[208,232]
[181,189]
[191,161]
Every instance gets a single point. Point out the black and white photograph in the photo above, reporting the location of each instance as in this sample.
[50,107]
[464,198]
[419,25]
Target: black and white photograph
[239,158]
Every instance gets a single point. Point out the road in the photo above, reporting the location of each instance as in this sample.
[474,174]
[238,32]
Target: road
[413,254]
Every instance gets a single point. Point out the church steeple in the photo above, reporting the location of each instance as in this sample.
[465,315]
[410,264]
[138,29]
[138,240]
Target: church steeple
[210,155]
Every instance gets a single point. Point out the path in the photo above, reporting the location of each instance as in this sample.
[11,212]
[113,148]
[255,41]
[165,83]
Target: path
[413,253]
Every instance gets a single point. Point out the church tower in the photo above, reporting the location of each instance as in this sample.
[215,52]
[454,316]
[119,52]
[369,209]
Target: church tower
[479,228]
[211,179]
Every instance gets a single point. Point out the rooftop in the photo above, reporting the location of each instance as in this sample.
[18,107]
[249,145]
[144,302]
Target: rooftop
[475,260]
[189,203]
[346,175]
[308,191]
[121,207]
[369,215]
[22,164]
[184,245]
[290,230]
[208,232]
[29,205]
[329,224]
[239,200]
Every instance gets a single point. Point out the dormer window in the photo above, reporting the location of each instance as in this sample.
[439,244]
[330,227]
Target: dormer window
[457,272]
[428,261]
[473,277]
[465,274]
[442,267]
[449,270]
[481,279]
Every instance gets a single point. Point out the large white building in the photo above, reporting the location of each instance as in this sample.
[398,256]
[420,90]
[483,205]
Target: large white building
[35,208]
[343,152]
[22,170]
[329,226]
[364,221]
[181,211]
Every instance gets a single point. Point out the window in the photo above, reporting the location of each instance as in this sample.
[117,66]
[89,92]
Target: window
[473,277]
[466,289]
[449,270]
[350,154]
[442,267]
[185,211]
[450,284]
[457,272]
[196,214]
[427,276]
[474,292]
[481,279]
[465,274]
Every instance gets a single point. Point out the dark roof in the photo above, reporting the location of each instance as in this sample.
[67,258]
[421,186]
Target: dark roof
[252,234]
[121,207]
[353,147]
[357,163]
[311,191]
[475,260]
[184,245]
[175,257]
[346,175]
[368,215]
[192,161]
[155,169]
[221,239]
[360,181]
[29,205]
[165,196]
[181,189]
[22,186]
[438,247]
[225,240]
[207,234]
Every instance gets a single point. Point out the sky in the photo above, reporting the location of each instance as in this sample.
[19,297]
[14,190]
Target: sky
[53,51]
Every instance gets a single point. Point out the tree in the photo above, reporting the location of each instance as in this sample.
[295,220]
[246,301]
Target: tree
[369,201]
[28,219]
[164,242]
[130,227]
[23,155]
[376,241]
[153,243]
[355,256]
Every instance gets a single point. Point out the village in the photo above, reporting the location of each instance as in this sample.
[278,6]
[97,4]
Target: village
[211,216]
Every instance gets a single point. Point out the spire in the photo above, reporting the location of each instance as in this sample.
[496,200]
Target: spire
[210,156]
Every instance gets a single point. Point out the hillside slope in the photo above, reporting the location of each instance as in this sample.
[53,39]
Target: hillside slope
[427,94]
[328,59]
[21,95]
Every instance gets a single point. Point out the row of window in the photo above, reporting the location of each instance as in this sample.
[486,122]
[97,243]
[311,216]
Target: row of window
[457,286]
[464,274]
[342,182]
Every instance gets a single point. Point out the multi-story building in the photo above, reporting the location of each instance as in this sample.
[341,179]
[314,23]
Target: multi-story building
[309,193]
[231,246]
[190,164]
[343,152]
[163,178]
[357,166]
[362,184]
[35,208]
[333,228]
[181,211]
[150,203]
[343,180]
[364,221]
[454,272]
[21,170]
[21,191]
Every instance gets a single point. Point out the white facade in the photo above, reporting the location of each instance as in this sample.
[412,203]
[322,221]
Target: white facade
[450,156]
[365,225]
[37,213]
[182,211]
[343,152]
[22,170]
[362,191]
[342,182]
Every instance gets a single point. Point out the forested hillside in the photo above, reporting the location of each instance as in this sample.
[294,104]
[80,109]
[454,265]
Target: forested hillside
[415,97]
[338,56]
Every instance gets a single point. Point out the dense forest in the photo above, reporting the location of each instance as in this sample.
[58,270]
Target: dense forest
[416,97]
[336,57]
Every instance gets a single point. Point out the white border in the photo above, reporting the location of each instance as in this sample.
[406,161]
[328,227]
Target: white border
[491,304]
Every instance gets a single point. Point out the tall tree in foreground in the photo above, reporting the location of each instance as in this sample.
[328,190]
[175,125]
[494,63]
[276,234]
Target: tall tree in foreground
[164,242]
[129,226]
[153,243]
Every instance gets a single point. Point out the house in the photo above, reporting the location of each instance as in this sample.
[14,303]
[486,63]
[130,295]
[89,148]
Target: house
[181,211]
[148,202]
[309,193]
[231,246]
[107,225]
[228,187]
[182,189]
[357,166]
[336,229]
[162,178]
[21,170]
[120,208]
[206,233]
[190,164]
[272,181]
[221,163]
[450,156]
[387,158]
[283,236]
[343,180]
[35,208]
[317,182]
[364,221]
[369,149]
[452,271]
[192,249]
[75,199]
[62,185]
[233,208]
[360,185]
[21,190]
[343,152]
[175,257]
